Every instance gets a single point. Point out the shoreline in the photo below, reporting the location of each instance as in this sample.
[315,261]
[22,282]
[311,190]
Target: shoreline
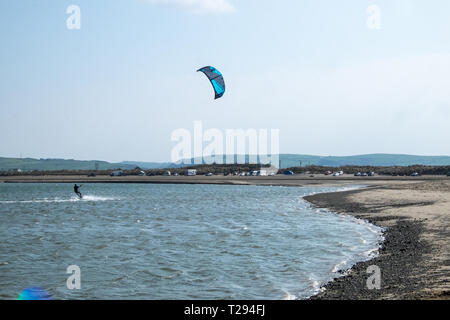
[411,264]
[278,180]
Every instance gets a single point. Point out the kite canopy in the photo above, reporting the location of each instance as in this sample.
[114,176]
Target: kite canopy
[216,80]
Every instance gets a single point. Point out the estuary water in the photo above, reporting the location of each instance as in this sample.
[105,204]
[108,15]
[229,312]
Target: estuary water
[150,241]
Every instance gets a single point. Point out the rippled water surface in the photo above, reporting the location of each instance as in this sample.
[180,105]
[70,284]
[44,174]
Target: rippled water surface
[148,241]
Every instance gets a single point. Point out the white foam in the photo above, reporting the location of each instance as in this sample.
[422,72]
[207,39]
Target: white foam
[314,284]
[289,296]
[339,266]
[371,252]
[96,198]
[57,200]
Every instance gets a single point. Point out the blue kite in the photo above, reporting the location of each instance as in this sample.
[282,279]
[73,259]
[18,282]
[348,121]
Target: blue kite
[216,79]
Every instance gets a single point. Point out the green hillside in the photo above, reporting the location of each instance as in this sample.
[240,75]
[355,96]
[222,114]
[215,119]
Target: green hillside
[286,161]
[380,160]
[292,160]
[29,164]
[151,165]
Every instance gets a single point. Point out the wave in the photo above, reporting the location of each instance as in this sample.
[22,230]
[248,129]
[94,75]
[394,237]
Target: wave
[314,284]
[371,253]
[339,266]
[288,296]
[88,198]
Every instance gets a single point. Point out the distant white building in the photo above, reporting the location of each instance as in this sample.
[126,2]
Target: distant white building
[268,171]
[191,172]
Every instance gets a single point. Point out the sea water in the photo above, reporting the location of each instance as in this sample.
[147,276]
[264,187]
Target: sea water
[150,241]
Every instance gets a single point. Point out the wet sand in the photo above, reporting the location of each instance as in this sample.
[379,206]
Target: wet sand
[415,211]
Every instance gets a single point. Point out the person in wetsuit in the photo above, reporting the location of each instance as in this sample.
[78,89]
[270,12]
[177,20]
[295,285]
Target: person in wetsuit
[76,189]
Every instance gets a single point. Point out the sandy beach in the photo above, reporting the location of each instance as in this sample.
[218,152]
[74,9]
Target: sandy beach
[415,211]
[415,257]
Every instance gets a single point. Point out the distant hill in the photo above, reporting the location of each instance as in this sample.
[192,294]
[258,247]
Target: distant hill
[152,165]
[379,159]
[29,164]
[286,161]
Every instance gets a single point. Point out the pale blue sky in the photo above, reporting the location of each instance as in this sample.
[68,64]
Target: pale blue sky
[116,89]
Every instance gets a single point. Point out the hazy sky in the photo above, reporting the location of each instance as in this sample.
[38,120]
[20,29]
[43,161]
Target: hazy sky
[117,88]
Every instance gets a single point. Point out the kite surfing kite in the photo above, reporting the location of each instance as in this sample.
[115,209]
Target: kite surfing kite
[216,79]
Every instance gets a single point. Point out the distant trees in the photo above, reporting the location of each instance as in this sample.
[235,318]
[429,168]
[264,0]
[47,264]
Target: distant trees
[391,171]
[230,168]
